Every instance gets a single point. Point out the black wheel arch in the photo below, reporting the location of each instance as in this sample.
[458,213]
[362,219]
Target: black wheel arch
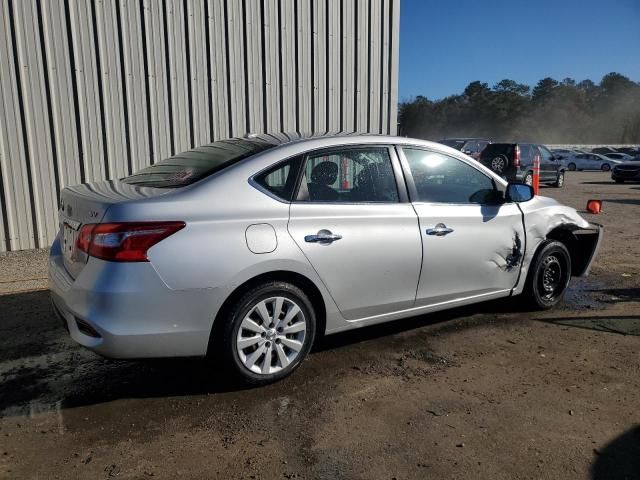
[581,244]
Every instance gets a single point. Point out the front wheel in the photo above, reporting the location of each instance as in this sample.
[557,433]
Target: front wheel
[268,334]
[572,167]
[605,167]
[549,275]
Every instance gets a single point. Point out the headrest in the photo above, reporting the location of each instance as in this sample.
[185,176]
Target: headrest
[325,173]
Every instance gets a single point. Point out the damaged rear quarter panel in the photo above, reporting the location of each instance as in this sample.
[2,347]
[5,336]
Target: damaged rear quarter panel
[541,216]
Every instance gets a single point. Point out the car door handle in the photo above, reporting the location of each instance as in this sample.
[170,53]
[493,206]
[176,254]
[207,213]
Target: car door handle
[323,236]
[440,230]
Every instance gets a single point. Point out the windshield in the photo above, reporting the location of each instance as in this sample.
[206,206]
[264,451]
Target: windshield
[188,167]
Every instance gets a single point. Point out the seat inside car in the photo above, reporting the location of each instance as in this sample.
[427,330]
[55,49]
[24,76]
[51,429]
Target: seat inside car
[375,183]
[323,175]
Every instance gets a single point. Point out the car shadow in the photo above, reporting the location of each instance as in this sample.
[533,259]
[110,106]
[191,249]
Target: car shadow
[627,201]
[611,182]
[619,459]
[622,324]
[41,366]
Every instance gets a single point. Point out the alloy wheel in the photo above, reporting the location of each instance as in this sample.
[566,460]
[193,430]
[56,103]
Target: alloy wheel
[498,164]
[271,335]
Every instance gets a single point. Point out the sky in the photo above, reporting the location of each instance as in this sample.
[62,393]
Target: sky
[446,44]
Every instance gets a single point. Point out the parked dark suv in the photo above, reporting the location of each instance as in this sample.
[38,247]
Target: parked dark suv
[514,161]
[470,146]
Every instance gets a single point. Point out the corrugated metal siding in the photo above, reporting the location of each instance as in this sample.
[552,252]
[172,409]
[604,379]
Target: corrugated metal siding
[94,89]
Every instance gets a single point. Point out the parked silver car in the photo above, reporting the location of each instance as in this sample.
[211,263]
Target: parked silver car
[245,250]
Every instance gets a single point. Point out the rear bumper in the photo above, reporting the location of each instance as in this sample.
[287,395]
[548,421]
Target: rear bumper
[125,310]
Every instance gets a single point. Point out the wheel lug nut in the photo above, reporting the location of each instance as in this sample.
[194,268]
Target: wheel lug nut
[268,344]
[277,340]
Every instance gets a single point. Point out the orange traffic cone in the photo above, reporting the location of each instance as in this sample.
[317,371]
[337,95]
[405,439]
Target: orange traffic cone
[594,206]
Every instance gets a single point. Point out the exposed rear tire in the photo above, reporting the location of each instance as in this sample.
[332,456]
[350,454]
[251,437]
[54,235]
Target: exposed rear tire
[267,334]
[499,164]
[572,167]
[605,167]
[619,180]
[528,179]
[549,276]
[559,183]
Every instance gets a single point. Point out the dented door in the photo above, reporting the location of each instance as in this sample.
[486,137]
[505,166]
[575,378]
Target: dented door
[479,251]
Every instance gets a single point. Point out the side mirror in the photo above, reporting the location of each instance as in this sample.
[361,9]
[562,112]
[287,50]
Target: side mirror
[518,192]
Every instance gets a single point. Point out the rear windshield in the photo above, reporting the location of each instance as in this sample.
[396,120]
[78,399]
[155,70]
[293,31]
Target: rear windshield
[456,143]
[188,167]
[497,149]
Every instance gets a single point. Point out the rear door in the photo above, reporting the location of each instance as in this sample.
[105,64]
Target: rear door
[352,219]
[472,246]
[548,167]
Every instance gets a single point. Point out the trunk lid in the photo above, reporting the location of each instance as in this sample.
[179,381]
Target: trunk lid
[88,203]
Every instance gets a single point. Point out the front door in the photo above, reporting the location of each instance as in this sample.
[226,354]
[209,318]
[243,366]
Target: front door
[472,244]
[362,240]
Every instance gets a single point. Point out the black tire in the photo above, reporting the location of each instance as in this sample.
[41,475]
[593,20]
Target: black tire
[528,179]
[549,276]
[619,180]
[572,167]
[226,343]
[559,183]
[499,164]
[605,167]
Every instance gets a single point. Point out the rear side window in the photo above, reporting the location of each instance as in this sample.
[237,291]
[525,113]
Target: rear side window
[188,167]
[442,179]
[280,180]
[494,149]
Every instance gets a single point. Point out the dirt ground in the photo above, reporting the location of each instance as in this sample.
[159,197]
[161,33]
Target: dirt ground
[488,391]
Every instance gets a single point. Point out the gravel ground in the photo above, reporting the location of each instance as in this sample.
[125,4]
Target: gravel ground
[487,391]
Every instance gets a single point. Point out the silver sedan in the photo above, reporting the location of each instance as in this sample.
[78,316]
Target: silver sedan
[246,250]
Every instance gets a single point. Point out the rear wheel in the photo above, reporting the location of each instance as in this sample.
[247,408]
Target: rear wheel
[268,334]
[528,179]
[549,275]
[619,180]
[499,164]
[572,167]
[605,167]
[559,183]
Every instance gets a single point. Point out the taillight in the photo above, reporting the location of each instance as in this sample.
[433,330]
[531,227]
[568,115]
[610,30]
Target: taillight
[124,242]
[516,157]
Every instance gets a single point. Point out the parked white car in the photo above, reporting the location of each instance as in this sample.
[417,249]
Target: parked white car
[590,161]
[623,157]
[564,153]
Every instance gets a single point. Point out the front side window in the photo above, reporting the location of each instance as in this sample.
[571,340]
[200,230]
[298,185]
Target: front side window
[546,155]
[350,175]
[442,179]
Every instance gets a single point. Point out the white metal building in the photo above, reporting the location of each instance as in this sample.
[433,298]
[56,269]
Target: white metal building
[95,89]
